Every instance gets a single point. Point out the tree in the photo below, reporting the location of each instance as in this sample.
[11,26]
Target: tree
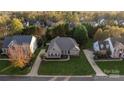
[109,31]
[72,17]
[98,34]
[80,34]
[39,32]
[59,30]
[19,55]
[16,25]
[4,19]
[91,30]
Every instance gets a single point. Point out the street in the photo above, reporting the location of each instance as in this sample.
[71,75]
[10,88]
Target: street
[60,78]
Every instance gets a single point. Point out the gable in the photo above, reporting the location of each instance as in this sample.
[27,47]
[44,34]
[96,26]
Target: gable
[53,48]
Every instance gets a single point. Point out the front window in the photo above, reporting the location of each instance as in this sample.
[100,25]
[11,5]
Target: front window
[68,52]
[55,54]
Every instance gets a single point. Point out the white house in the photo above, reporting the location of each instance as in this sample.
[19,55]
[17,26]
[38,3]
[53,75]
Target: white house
[116,46]
[60,46]
[20,40]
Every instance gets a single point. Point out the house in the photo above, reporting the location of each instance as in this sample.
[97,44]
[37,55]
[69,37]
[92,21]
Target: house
[60,46]
[37,23]
[20,40]
[102,21]
[71,25]
[94,24]
[114,45]
[121,22]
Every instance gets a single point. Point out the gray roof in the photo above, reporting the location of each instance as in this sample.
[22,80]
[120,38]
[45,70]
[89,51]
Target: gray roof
[64,43]
[116,41]
[18,39]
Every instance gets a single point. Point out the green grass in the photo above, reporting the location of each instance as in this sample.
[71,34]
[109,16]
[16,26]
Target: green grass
[7,69]
[75,66]
[10,70]
[89,44]
[4,64]
[112,67]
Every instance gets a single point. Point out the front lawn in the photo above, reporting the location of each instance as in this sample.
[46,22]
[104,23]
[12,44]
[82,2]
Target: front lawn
[112,67]
[75,66]
[89,44]
[7,69]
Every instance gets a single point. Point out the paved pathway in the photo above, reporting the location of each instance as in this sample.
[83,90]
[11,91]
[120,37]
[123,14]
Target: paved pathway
[89,56]
[5,59]
[35,67]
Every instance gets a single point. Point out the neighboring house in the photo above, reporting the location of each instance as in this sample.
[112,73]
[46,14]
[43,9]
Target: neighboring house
[37,23]
[121,22]
[94,24]
[60,46]
[20,40]
[72,25]
[102,20]
[116,22]
[115,46]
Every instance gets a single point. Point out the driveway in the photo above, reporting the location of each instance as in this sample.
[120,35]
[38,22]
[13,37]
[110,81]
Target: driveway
[89,56]
[35,67]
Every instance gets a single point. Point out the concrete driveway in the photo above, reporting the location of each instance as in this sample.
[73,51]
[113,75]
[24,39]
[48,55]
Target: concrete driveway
[89,56]
[35,67]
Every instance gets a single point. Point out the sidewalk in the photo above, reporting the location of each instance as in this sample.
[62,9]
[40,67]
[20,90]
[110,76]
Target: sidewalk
[89,56]
[35,67]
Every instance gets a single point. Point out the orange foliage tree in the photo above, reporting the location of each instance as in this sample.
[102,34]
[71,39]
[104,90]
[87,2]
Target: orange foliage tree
[19,55]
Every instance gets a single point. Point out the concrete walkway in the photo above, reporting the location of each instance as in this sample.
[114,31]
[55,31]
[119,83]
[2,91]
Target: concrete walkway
[5,59]
[89,56]
[35,67]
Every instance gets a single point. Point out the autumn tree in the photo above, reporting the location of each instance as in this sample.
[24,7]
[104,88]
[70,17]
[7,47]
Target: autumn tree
[16,25]
[109,31]
[98,34]
[19,55]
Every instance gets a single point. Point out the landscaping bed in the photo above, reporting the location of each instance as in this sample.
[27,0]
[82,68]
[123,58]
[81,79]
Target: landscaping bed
[2,56]
[75,66]
[112,67]
[7,69]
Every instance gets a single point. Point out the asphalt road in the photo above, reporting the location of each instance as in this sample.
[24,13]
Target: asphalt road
[30,78]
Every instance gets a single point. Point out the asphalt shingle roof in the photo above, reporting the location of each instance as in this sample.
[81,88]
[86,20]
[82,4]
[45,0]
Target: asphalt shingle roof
[64,43]
[18,39]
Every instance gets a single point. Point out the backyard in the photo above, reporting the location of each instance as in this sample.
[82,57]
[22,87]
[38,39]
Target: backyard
[75,66]
[7,69]
[112,67]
